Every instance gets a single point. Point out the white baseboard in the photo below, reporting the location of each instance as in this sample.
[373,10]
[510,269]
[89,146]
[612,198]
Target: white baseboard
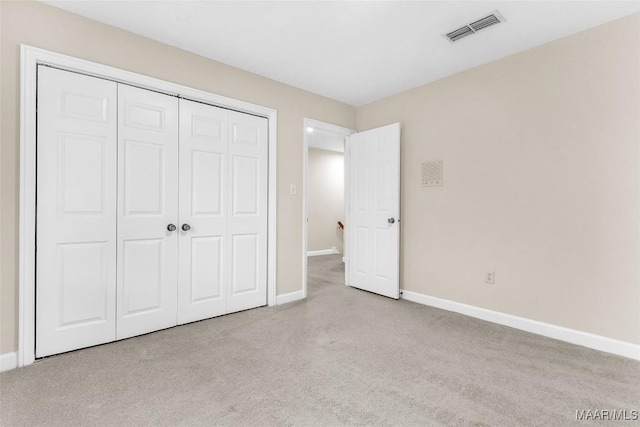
[8,361]
[290,297]
[597,342]
[331,251]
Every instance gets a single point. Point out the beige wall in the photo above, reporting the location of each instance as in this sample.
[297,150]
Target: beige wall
[325,199]
[46,27]
[541,182]
[541,154]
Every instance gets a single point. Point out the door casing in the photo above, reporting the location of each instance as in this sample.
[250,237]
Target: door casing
[30,58]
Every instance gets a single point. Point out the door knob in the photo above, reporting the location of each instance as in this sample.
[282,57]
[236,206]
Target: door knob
[391,220]
[171,227]
[186,227]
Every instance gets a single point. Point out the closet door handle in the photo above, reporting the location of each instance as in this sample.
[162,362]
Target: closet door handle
[186,227]
[171,227]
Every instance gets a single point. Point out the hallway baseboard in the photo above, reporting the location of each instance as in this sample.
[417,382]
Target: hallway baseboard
[290,297]
[331,251]
[8,361]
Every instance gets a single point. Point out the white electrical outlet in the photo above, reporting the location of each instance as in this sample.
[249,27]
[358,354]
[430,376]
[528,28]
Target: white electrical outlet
[490,277]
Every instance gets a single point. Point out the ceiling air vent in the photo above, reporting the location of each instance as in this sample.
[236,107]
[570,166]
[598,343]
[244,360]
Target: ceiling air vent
[473,27]
[459,33]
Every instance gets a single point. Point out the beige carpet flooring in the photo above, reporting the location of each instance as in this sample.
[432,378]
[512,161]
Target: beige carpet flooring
[341,357]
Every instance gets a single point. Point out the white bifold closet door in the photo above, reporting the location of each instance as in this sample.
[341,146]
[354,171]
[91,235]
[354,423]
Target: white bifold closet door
[247,207]
[76,211]
[203,200]
[223,211]
[151,211]
[147,267]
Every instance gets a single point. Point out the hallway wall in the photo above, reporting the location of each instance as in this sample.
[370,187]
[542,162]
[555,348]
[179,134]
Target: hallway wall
[325,199]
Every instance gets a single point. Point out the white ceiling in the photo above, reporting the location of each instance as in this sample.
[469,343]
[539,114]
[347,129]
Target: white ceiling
[354,52]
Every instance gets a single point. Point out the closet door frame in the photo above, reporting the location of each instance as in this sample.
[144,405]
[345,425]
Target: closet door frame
[30,58]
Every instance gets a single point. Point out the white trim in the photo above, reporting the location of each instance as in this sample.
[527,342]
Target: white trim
[8,361]
[347,216]
[290,297]
[26,276]
[30,57]
[272,209]
[316,124]
[597,342]
[331,251]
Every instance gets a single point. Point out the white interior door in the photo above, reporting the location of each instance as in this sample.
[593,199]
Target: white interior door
[76,211]
[203,211]
[147,211]
[374,210]
[247,212]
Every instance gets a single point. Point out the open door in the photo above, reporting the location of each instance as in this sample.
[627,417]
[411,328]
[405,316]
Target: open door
[373,210]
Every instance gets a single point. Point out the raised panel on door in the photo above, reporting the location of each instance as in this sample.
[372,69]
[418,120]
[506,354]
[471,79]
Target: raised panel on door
[142,273]
[76,211]
[247,212]
[245,250]
[144,179]
[147,274]
[374,207]
[361,250]
[203,207]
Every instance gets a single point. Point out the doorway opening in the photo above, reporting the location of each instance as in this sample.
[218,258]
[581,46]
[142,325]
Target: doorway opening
[323,213]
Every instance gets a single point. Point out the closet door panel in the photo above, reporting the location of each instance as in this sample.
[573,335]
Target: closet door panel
[247,223]
[203,200]
[76,211]
[147,204]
